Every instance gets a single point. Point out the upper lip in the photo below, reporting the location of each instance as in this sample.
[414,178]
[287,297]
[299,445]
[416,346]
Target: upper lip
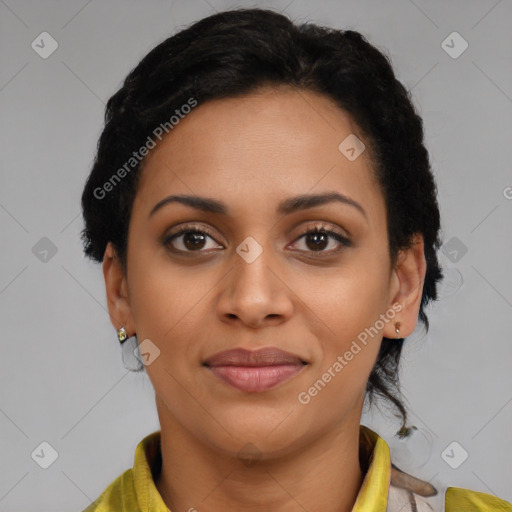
[270,356]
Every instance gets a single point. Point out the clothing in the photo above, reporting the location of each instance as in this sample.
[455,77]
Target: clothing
[384,489]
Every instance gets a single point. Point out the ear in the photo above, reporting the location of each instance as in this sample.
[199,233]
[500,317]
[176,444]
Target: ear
[406,286]
[116,286]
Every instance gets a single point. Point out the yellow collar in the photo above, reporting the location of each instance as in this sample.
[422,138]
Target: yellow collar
[373,495]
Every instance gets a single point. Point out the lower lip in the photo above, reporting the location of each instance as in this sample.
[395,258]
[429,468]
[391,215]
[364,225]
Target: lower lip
[256,378]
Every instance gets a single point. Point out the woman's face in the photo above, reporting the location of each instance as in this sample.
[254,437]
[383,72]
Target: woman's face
[252,280]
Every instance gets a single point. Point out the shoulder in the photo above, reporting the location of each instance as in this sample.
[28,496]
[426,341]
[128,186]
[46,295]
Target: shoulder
[462,500]
[119,496]
[135,489]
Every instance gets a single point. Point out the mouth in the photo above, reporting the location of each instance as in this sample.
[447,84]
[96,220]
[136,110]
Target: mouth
[254,370]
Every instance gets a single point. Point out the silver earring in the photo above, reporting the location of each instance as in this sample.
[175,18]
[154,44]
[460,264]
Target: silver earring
[132,360]
[397,329]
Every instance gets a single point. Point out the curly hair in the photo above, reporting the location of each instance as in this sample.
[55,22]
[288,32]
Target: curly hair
[236,52]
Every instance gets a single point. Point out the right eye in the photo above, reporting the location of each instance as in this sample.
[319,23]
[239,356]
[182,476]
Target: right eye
[193,239]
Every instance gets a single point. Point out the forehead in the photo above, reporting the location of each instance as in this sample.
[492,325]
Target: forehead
[262,146]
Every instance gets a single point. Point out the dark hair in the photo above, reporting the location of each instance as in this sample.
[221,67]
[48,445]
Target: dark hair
[237,52]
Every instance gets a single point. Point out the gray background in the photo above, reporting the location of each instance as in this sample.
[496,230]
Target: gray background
[61,376]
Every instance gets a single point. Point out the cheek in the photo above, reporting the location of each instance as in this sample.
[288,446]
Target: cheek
[166,300]
[169,309]
[346,301]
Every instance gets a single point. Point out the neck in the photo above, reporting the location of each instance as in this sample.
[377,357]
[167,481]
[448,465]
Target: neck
[324,474]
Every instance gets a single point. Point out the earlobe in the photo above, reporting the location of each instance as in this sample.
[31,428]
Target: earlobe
[409,278]
[117,291]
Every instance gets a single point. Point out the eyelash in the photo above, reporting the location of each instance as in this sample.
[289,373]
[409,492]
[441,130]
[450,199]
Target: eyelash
[323,229]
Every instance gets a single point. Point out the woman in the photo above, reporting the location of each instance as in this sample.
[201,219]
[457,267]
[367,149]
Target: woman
[265,212]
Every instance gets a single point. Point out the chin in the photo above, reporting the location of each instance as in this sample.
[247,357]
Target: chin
[254,432]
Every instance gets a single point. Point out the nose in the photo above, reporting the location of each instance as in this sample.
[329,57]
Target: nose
[255,293]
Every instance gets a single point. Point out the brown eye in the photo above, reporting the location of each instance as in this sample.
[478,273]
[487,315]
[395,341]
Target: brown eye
[317,239]
[189,239]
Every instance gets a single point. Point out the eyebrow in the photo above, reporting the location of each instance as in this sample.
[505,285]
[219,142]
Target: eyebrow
[286,207]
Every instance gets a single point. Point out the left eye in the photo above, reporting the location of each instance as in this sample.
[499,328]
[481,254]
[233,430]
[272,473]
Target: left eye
[319,237]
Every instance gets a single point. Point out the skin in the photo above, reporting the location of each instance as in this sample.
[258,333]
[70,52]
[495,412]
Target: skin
[251,153]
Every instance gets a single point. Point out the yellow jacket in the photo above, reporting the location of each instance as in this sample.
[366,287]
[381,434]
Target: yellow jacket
[385,488]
